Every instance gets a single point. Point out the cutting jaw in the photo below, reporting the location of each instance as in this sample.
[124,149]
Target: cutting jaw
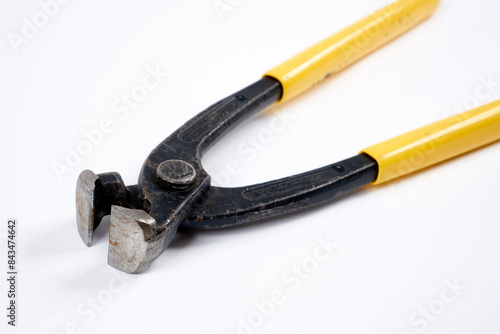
[133,242]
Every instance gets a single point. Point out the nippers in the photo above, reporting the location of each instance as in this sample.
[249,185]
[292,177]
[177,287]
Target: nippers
[174,190]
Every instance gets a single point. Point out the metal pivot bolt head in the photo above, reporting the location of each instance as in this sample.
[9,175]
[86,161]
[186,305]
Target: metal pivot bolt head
[176,174]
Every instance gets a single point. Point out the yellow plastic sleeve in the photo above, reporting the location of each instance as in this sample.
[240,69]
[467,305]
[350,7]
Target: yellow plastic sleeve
[338,51]
[436,142]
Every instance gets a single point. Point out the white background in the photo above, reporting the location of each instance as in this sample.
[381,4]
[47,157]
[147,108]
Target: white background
[398,243]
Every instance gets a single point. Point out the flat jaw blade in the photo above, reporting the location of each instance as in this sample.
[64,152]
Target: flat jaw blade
[133,241]
[85,205]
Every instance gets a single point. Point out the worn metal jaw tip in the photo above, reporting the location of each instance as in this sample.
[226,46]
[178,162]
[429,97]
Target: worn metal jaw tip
[95,194]
[133,240]
[85,205]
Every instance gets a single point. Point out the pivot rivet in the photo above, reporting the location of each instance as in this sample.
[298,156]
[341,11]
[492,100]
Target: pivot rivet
[176,174]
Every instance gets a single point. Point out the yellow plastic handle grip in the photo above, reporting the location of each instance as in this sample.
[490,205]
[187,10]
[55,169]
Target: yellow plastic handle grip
[436,142]
[338,51]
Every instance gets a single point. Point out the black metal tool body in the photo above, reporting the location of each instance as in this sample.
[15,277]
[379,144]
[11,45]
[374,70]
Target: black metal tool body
[174,190]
